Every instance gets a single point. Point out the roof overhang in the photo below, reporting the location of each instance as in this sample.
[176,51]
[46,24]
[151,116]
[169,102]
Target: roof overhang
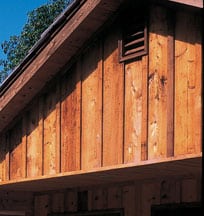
[51,53]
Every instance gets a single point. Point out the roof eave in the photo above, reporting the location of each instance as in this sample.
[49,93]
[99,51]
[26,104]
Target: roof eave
[38,46]
[55,48]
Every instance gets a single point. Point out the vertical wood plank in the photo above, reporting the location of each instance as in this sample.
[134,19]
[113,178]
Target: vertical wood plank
[157,112]
[144,132]
[133,111]
[129,199]
[92,107]
[189,190]
[14,201]
[115,197]
[71,201]
[82,200]
[41,205]
[1,157]
[70,119]
[178,191]
[51,153]
[99,199]
[113,99]
[180,146]
[90,199]
[187,84]
[17,150]
[170,84]
[34,139]
[4,158]
[170,191]
[24,146]
[199,188]
[150,194]
[195,88]
[138,198]
[57,202]
[7,158]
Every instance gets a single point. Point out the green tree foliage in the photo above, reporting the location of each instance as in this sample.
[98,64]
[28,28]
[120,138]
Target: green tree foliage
[17,47]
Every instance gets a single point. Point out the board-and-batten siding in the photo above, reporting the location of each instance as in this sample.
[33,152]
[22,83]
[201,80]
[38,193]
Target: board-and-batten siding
[135,198]
[101,112]
[188,76]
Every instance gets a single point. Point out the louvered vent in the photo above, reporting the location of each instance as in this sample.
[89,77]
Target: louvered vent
[134,39]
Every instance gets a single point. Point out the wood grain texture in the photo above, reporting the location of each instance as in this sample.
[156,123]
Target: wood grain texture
[181,80]
[144,129]
[99,198]
[34,139]
[71,119]
[113,101]
[115,197]
[150,194]
[16,203]
[51,130]
[185,166]
[157,103]
[2,156]
[57,200]
[6,172]
[195,3]
[99,115]
[170,83]
[133,111]
[187,84]
[189,190]
[17,152]
[134,197]
[42,205]
[71,200]
[92,107]
[170,191]
[61,48]
[196,94]
[130,200]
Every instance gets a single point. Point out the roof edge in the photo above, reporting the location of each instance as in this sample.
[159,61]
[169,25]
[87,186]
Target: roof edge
[52,53]
[194,3]
[54,27]
[41,43]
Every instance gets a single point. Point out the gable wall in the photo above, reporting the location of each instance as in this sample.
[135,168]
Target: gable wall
[100,112]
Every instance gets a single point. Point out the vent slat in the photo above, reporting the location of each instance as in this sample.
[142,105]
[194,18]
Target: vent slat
[138,33]
[135,42]
[135,35]
[128,52]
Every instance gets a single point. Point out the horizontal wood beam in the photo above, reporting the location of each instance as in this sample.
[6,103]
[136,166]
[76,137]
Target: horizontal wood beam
[172,166]
[15,213]
[194,3]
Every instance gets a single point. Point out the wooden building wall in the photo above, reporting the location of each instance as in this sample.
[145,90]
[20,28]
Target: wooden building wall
[135,198]
[100,112]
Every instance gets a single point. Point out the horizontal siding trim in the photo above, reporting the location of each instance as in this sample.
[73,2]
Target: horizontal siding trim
[112,174]
[194,3]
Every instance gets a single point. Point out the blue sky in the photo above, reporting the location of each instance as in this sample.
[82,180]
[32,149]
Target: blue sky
[13,16]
